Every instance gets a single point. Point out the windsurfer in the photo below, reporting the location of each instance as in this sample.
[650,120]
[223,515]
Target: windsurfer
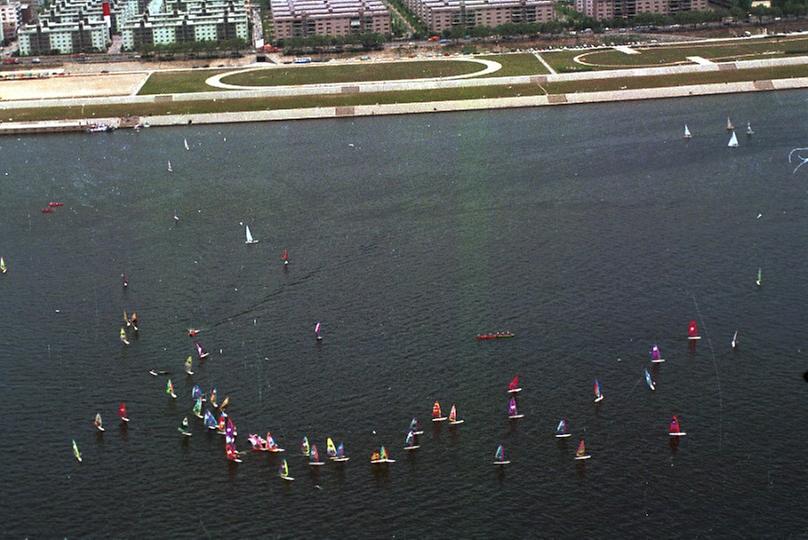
[375,456]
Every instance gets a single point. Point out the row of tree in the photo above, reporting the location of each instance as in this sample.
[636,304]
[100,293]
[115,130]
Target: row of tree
[236,44]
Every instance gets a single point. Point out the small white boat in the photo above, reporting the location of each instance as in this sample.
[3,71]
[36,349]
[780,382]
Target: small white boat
[687,134]
[248,234]
[735,340]
[98,423]
[169,166]
[185,142]
[598,394]
[759,280]
[749,130]
[730,127]
[733,141]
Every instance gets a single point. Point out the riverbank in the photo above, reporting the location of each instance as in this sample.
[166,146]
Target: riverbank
[422,107]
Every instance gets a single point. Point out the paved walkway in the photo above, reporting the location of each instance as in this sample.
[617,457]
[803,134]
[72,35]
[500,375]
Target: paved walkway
[625,50]
[701,61]
[544,62]
[216,80]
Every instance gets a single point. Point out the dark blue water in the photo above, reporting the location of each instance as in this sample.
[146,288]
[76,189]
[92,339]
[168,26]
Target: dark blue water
[590,232]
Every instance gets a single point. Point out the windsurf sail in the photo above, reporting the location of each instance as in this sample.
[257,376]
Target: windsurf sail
[499,455]
[285,256]
[656,355]
[270,442]
[382,453]
[317,330]
[453,414]
[562,428]
[124,281]
[735,339]
[331,450]
[97,422]
[597,391]
[122,413]
[436,412]
[248,234]
[213,397]
[284,469]
[3,265]
[512,407]
[189,363]
[170,388]
[759,280]
[341,450]
[410,440]
[184,426]
[230,428]
[198,407]
[210,421]
[76,452]
[225,403]
[196,392]
[220,425]
[730,127]
[675,429]
[231,452]
[687,132]
[581,451]
[126,320]
[749,129]
[314,455]
[185,142]
[304,446]
[513,386]
[648,380]
[123,336]
[693,330]
[200,350]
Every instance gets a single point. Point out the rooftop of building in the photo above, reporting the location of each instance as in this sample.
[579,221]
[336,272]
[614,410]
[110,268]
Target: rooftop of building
[291,8]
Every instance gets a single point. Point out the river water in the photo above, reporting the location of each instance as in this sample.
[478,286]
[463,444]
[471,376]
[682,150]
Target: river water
[590,232]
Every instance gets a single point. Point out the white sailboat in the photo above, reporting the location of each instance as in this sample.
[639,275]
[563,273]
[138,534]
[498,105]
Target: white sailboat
[185,142]
[730,127]
[733,141]
[749,130]
[735,340]
[687,133]
[169,166]
[250,239]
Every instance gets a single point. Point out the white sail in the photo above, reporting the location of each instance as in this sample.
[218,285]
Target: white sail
[687,133]
[733,141]
[730,127]
[735,339]
[169,167]
[185,142]
[250,239]
[749,129]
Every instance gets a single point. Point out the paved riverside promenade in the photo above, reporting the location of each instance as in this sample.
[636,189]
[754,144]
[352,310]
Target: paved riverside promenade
[426,107]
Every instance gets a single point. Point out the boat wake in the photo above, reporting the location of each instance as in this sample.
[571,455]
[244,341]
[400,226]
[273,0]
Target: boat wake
[802,160]
[717,377]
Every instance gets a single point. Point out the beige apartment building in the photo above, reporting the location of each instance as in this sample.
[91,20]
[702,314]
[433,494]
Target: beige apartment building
[627,9]
[439,15]
[305,18]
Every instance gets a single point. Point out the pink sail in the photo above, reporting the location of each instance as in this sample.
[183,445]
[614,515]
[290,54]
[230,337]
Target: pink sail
[514,384]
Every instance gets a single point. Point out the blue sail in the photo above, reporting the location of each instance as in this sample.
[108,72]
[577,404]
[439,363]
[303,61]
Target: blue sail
[341,450]
[196,392]
[410,439]
[500,454]
[413,425]
[648,380]
[562,427]
[210,421]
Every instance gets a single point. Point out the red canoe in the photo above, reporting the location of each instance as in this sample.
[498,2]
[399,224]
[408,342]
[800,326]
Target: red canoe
[494,335]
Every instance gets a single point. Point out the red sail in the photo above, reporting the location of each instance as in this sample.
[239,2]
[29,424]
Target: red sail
[285,255]
[436,410]
[514,383]
[674,428]
[692,329]
[122,410]
[581,449]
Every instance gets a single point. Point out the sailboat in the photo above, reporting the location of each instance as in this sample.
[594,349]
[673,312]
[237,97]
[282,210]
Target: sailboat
[283,471]
[656,355]
[272,446]
[189,365]
[730,127]
[124,281]
[649,381]
[437,416]
[381,457]
[499,456]
[675,430]
[285,256]
[170,389]
[231,453]
[562,430]
[580,453]
[513,414]
[733,141]
[76,452]
[598,394]
[169,166]
[687,134]
[221,425]
[513,386]
[258,444]
[305,449]
[230,429]
[3,268]
[97,423]
[196,393]
[341,457]
[415,427]
[250,239]
[330,449]
[126,320]
[759,280]
[198,407]
[453,416]
[735,340]
[749,129]
[409,442]
[210,421]
[213,399]
[184,428]
[185,142]
[693,331]
[122,413]
[123,336]
[200,351]
[225,403]
[314,457]
[317,331]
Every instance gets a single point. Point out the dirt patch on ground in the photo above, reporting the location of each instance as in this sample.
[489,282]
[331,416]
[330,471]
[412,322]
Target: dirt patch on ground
[70,87]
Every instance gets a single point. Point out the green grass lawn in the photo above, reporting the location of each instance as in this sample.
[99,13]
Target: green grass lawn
[630,83]
[179,82]
[353,73]
[260,104]
[514,65]
[563,62]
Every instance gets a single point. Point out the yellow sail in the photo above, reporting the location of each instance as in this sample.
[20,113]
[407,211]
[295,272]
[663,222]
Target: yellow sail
[330,448]
[2,265]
